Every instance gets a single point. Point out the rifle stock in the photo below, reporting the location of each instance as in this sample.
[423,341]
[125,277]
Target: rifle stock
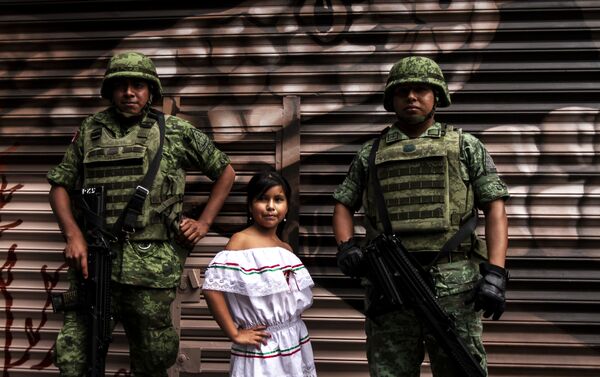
[394,271]
[92,296]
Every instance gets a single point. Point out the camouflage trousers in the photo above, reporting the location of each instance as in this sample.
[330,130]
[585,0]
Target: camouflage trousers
[396,341]
[146,317]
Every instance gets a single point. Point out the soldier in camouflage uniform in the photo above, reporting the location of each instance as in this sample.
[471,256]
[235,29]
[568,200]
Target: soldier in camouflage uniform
[113,149]
[433,177]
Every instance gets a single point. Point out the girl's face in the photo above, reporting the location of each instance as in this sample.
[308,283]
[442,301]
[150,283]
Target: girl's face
[269,209]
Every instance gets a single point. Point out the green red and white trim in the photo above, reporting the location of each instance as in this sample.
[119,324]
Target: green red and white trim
[258,270]
[270,354]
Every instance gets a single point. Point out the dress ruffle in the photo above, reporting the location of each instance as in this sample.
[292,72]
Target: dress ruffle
[256,272]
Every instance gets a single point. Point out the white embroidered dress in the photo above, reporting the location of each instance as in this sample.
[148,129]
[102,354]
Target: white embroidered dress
[266,286]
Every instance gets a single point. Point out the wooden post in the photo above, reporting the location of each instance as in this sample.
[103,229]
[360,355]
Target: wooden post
[171,105]
[290,163]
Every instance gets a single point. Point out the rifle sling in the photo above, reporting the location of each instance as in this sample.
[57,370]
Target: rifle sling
[126,221]
[90,215]
[381,208]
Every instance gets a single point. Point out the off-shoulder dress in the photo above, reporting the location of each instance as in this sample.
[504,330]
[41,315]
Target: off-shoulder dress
[266,286]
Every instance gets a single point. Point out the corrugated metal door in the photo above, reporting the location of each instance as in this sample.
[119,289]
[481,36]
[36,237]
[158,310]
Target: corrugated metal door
[523,77]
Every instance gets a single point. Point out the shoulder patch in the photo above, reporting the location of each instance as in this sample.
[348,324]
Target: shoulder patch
[490,167]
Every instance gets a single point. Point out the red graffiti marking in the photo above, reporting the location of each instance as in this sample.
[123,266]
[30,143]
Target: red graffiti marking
[50,282]
[11,260]
[33,335]
[10,226]
[5,197]
[47,361]
[6,279]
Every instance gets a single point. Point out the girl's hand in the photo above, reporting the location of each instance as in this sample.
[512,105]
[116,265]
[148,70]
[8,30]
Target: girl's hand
[252,337]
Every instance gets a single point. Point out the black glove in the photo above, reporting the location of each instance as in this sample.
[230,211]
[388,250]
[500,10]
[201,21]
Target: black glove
[488,294]
[350,258]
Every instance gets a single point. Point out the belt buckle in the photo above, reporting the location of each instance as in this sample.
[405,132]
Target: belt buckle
[142,188]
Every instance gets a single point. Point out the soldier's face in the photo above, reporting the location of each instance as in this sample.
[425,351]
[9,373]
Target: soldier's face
[269,209]
[131,95]
[413,102]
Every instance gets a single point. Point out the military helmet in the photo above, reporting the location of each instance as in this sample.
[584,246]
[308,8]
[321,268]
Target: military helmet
[132,65]
[416,69]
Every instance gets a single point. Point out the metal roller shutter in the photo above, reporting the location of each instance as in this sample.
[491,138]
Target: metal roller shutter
[297,85]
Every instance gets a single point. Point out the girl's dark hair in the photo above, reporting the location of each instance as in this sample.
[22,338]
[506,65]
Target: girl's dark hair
[259,184]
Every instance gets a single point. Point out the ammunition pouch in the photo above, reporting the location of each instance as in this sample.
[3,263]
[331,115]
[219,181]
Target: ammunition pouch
[71,300]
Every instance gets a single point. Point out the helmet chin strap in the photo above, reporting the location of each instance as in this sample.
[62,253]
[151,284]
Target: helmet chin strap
[125,114]
[149,103]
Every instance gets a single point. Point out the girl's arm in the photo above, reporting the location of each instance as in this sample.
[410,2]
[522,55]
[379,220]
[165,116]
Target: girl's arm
[219,309]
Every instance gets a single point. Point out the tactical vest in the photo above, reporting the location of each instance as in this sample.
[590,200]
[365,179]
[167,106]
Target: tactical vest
[119,164]
[425,191]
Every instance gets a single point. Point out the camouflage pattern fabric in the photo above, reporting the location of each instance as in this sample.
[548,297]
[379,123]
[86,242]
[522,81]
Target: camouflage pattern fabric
[424,188]
[396,341]
[131,65]
[146,318]
[146,268]
[476,161]
[158,264]
[416,70]
[119,163]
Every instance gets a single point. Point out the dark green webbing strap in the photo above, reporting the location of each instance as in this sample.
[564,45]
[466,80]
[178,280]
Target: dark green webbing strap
[381,208]
[126,222]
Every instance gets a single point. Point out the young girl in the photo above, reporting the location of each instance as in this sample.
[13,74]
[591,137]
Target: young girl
[257,289]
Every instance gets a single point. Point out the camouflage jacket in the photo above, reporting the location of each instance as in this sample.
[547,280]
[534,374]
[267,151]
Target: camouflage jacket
[152,264]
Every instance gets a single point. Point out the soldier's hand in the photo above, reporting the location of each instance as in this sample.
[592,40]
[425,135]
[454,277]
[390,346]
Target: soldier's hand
[489,292]
[76,254]
[350,258]
[193,230]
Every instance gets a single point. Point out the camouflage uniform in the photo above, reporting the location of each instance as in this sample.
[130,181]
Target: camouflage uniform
[147,268]
[396,340]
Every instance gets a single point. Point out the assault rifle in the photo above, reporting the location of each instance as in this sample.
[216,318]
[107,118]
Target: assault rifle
[92,296]
[404,282]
